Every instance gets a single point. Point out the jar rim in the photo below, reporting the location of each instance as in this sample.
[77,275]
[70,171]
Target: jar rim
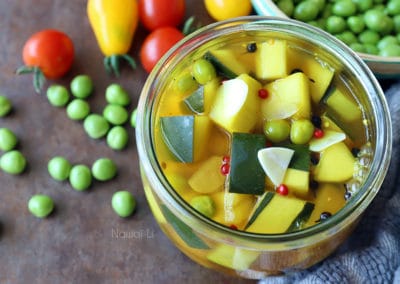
[382,125]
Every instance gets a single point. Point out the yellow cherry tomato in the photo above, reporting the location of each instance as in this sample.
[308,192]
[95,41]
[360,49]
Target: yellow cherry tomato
[226,9]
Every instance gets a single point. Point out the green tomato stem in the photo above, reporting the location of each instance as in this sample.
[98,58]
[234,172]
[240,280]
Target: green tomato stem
[112,63]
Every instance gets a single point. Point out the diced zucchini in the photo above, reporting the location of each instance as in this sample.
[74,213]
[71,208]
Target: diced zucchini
[233,208]
[329,198]
[279,214]
[288,97]
[208,177]
[195,102]
[301,158]
[343,105]
[186,136]
[319,74]
[210,93]
[226,63]
[236,106]
[246,174]
[298,182]
[271,60]
[336,164]
[232,257]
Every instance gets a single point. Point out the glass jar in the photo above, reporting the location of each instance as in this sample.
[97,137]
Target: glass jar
[237,252]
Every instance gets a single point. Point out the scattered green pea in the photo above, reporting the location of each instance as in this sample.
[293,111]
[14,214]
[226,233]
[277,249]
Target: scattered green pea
[369,36]
[115,114]
[81,86]
[59,168]
[387,40]
[104,169]
[116,94]
[78,109]
[301,131]
[204,204]
[117,138]
[8,140]
[57,95]
[80,177]
[133,118]
[393,7]
[203,71]
[96,126]
[5,106]
[40,205]
[123,203]
[277,130]
[13,162]
[358,47]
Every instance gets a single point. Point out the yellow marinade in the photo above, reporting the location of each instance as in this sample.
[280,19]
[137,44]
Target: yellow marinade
[220,148]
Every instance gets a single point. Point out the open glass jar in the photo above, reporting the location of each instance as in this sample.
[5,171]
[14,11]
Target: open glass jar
[241,252]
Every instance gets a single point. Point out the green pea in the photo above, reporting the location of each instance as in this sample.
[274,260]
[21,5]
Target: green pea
[305,11]
[95,125]
[81,86]
[301,131]
[396,23]
[390,50]
[319,3]
[376,20]
[204,204]
[78,109]
[57,95]
[347,37]
[369,36]
[40,205]
[277,130]
[363,5]
[133,118]
[115,114]
[13,162]
[117,138]
[80,177]
[357,47]
[117,95]
[186,83]
[123,203]
[104,169]
[371,49]
[8,140]
[286,6]
[5,106]
[344,8]
[387,40]
[335,24]
[393,7]
[326,11]
[59,168]
[356,24]
[203,71]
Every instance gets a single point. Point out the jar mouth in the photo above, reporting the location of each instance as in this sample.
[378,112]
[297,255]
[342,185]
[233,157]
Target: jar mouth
[381,130]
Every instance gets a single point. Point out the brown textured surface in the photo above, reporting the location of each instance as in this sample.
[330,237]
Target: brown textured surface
[83,241]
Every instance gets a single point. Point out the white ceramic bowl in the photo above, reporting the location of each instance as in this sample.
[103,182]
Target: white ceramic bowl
[383,67]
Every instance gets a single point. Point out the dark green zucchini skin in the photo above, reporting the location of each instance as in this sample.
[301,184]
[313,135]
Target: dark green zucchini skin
[246,175]
[221,68]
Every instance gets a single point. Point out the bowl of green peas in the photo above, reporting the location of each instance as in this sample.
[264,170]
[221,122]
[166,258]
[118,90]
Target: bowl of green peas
[371,28]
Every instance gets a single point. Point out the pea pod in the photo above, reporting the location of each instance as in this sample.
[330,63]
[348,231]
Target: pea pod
[114,24]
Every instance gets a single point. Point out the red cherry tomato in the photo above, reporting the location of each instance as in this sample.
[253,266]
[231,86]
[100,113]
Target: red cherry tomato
[51,51]
[156,44]
[155,14]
